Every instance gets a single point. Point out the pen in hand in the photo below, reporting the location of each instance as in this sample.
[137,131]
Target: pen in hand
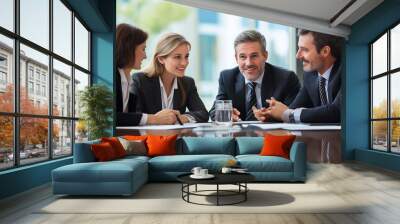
[179,120]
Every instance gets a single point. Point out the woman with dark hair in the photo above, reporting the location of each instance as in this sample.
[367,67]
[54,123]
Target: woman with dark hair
[130,47]
[164,86]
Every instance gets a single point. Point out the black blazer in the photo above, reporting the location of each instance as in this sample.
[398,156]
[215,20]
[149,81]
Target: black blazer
[147,91]
[131,118]
[308,97]
[277,82]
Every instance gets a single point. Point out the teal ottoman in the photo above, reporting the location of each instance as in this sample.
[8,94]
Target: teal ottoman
[119,177]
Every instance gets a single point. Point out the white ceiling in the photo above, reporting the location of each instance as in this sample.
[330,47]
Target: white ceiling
[321,9]
[319,15]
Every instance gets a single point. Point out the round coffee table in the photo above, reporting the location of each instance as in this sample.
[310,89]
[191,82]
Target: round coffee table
[238,179]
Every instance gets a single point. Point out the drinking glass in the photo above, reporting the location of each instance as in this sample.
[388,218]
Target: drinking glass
[223,112]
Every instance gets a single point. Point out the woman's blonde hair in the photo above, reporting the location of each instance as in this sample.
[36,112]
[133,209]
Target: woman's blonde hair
[168,43]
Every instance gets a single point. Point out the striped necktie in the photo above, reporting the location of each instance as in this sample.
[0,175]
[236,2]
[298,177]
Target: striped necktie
[322,93]
[251,101]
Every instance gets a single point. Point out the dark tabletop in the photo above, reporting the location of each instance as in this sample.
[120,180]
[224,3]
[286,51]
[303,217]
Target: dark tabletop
[322,145]
[220,178]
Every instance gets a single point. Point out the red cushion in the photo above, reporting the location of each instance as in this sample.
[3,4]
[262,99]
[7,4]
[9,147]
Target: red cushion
[161,145]
[103,151]
[116,145]
[277,145]
[135,137]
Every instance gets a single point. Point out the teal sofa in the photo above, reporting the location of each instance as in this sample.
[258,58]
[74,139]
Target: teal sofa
[125,176]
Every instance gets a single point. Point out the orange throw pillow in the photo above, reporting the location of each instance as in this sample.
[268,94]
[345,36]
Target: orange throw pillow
[135,137]
[116,145]
[103,151]
[161,145]
[277,145]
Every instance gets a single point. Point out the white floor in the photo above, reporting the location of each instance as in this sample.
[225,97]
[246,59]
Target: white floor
[378,189]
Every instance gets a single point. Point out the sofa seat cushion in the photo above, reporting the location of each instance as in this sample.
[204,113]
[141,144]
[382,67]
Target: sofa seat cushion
[249,145]
[113,171]
[185,163]
[257,163]
[133,157]
[206,145]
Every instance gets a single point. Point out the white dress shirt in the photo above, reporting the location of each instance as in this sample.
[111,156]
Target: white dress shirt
[167,100]
[125,86]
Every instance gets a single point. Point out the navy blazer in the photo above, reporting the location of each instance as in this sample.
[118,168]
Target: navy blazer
[131,118]
[277,82]
[147,92]
[308,97]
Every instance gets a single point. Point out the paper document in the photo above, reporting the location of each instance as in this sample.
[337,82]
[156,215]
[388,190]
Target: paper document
[233,128]
[296,127]
[315,127]
[164,127]
[247,122]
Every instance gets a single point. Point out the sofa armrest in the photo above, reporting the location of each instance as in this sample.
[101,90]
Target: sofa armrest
[298,155]
[83,152]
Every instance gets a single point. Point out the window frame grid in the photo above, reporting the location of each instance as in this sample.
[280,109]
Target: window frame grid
[16,114]
[50,87]
[388,74]
[16,83]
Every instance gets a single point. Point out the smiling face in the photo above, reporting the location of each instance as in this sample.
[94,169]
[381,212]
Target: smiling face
[250,58]
[140,55]
[308,54]
[177,61]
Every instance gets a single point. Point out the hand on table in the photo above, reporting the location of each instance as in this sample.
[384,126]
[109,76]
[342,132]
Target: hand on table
[260,114]
[235,115]
[166,116]
[276,109]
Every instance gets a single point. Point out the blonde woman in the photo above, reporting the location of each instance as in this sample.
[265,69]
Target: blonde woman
[130,48]
[162,87]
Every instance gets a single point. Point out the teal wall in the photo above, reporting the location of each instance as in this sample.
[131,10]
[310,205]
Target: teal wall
[99,16]
[102,58]
[103,50]
[94,13]
[380,159]
[24,178]
[356,121]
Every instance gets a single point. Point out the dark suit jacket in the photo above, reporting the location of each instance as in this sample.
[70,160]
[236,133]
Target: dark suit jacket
[131,118]
[308,97]
[277,82]
[147,91]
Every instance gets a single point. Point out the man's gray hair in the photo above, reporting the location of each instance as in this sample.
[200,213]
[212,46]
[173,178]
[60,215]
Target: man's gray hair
[251,36]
